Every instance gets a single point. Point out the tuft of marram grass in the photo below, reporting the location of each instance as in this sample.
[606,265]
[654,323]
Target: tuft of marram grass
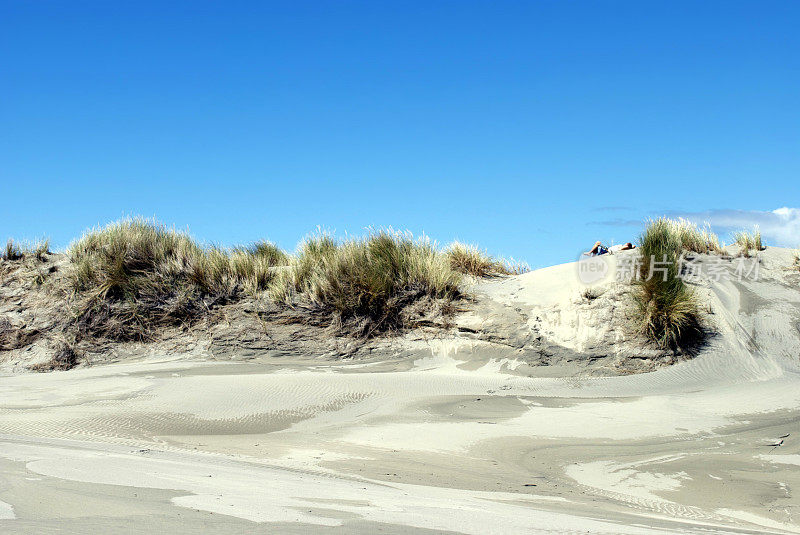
[305,269]
[661,242]
[669,314]
[692,238]
[470,260]
[18,251]
[266,251]
[12,251]
[515,267]
[369,279]
[42,248]
[137,273]
[747,240]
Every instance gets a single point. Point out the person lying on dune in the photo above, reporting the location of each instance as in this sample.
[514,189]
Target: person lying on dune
[599,248]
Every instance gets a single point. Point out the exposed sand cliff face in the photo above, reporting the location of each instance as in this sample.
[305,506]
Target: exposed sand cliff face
[522,418]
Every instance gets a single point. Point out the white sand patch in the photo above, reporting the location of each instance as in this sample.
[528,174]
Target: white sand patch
[496,366]
[622,478]
[442,356]
[781,459]
[444,359]
[759,520]
[6,511]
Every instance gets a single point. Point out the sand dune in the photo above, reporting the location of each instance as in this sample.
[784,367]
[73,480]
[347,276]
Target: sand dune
[525,419]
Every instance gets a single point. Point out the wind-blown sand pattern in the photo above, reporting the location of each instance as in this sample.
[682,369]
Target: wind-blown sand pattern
[471,432]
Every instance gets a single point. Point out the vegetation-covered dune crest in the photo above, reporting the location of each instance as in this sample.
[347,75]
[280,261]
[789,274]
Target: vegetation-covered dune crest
[133,277]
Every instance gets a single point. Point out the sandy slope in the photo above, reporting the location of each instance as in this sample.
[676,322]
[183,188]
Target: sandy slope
[517,424]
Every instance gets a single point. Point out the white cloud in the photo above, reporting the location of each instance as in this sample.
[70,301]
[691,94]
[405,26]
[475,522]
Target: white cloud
[779,227]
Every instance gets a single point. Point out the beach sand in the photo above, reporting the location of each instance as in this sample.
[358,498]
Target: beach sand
[527,417]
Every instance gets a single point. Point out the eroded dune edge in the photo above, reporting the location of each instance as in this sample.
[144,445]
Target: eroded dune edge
[525,415]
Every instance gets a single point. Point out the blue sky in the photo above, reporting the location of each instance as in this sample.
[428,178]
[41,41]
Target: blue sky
[530,128]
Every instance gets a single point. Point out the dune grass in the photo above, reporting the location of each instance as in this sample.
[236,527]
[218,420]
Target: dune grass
[367,281]
[748,239]
[18,251]
[267,251]
[669,314]
[691,237]
[126,279]
[137,273]
[13,251]
[470,260]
